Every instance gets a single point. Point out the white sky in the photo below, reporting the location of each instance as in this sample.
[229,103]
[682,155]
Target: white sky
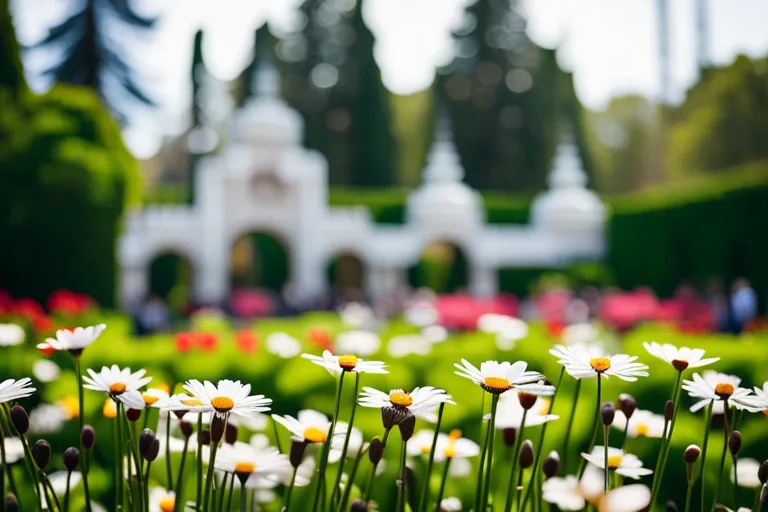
[610,45]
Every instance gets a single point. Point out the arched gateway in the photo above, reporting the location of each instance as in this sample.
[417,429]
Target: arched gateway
[266,181]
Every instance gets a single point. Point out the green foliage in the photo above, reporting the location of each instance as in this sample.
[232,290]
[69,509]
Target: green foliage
[11,70]
[65,178]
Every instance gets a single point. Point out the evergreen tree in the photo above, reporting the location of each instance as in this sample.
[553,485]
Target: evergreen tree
[94,56]
[11,70]
[263,42]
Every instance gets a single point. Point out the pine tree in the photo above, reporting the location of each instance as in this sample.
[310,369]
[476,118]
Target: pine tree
[11,70]
[94,57]
[263,41]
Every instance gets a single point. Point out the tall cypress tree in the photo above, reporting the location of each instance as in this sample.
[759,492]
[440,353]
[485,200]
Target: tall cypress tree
[11,70]
[92,54]
[263,41]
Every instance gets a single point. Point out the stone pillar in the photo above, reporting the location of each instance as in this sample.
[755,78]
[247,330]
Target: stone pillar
[133,284]
[483,281]
[212,272]
[307,273]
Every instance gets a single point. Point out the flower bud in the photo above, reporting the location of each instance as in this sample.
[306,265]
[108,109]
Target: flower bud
[527,400]
[11,504]
[297,453]
[407,426]
[526,454]
[669,410]
[509,435]
[133,414]
[186,428]
[691,454]
[375,450]
[551,465]
[607,413]
[20,419]
[145,441]
[671,507]
[88,437]
[217,429]
[392,416]
[71,458]
[180,413]
[230,435]
[41,453]
[627,404]
[734,442]
[358,506]
[762,472]
[153,451]
[205,437]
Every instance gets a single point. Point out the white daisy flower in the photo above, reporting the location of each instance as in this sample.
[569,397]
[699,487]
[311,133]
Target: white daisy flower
[266,463]
[583,362]
[570,493]
[45,370]
[580,334]
[161,500]
[406,344]
[255,422]
[421,315]
[452,504]
[510,412]
[624,464]
[14,389]
[310,427]
[355,442]
[14,450]
[449,446]
[360,343]
[282,344]
[114,381]
[720,386]
[46,419]
[227,397]
[761,398]
[154,395]
[747,472]
[492,323]
[563,492]
[356,315]
[497,378]
[435,333]
[421,402]
[11,334]
[679,358]
[74,340]
[641,424]
[628,498]
[345,363]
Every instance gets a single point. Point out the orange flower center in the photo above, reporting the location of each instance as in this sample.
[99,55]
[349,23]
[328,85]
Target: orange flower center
[614,461]
[222,403]
[191,402]
[348,362]
[167,504]
[600,364]
[642,429]
[149,399]
[164,387]
[496,384]
[315,435]
[244,467]
[69,406]
[450,449]
[401,398]
[110,409]
[117,388]
[724,390]
[546,404]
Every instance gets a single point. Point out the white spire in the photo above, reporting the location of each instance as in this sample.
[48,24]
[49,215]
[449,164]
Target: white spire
[266,83]
[567,169]
[443,163]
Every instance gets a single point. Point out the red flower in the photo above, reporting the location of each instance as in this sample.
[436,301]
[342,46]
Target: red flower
[48,350]
[321,338]
[247,341]
[207,341]
[185,341]
[42,324]
[29,309]
[69,303]
[555,328]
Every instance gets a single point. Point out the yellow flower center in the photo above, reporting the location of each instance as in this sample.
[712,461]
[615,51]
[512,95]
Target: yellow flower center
[426,449]
[69,406]
[244,467]
[600,364]
[614,461]
[724,390]
[642,429]
[348,362]
[167,504]
[110,409]
[164,387]
[450,449]
[191,402]
[315,435]
[401,398]
[149,399]
[496,384]
[546,404]
[117,388]
[222,403]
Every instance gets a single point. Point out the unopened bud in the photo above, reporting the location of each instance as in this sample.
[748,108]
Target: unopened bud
[11,503]
[669,410]
[71,458]
[375,450]
[734,443]
[762,473]
[527,400]
[145,441]
[671,507]
[691,454]
[41,453]
[392,416]
[551,465]
[88,437]
[407,426]
[358,506]
[526,454]
[217,429]
[607,413]
[297,453]
[509,435]
[180,413]
[627,404]
[230,435]
[133,414]
[205,437]
[186,428]
[153,452]
[20,419]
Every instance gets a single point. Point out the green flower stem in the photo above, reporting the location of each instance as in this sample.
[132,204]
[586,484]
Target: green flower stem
[180,479]
[319,499]
[289,490]
[8,425]
[277,434]
[722,457]
[230,493]
[481,468]
[119,459]
[66,493]
[605,451]
[666,442]
[736,481]
[424,500]
[756,504]
[401,480]
[168,469]
[489,464]
[372,477]
[626,429]
[583,463]
[81,422]
[511,487]
[351,480]
[213,448]
[46,486]
[199,495]
[243,498]
[336,493]
[705,442]
[135,454]
[443,480]
[223,492]
[569,428]
[3,469]
[146,486]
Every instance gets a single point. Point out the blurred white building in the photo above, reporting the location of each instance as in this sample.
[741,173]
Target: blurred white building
[264,180]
